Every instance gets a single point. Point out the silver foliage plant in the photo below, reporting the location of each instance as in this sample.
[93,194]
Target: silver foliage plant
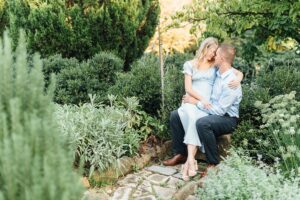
[238,178]
[99,135]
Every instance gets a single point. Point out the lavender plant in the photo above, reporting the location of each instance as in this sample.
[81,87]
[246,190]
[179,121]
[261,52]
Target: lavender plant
[34,160]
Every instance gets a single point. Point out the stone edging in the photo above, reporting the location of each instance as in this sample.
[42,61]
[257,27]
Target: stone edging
[128,164]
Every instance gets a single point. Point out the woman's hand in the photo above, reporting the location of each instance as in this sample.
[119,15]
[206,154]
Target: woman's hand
[206,104]
[234,84]
[189,99]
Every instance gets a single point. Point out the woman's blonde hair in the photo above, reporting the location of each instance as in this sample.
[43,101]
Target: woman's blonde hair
[205,45]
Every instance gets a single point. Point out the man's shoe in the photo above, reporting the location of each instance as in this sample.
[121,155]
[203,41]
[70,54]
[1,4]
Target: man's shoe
[177,159]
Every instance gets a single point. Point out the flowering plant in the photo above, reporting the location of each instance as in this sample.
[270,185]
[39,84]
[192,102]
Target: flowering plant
[282,120]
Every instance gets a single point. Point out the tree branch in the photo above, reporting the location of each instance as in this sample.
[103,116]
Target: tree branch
[266,14]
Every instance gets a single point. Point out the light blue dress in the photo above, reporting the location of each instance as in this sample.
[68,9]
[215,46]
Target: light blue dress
[202,83]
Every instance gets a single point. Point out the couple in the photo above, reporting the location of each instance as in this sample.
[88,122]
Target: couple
[210,107]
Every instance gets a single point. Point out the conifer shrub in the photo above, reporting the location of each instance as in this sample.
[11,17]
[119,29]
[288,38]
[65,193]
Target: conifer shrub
[34,160]
[81,29]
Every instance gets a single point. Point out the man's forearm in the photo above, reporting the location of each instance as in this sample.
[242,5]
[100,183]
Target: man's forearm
[213,110]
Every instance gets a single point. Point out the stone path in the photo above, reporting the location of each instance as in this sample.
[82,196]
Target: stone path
[151,183]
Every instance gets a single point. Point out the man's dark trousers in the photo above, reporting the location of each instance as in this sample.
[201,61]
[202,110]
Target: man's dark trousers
[208,128]
[211,127]
[177,133]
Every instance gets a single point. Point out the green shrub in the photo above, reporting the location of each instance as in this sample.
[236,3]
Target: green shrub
[177,60]
[83,28]
[280,80]
[143,82]
[254,141]
[275,77]
[34,160]
[174,90]
[78,79]
[3,16]
[238,178]
[251,93]
[101,135]
[54,65]
[174,83]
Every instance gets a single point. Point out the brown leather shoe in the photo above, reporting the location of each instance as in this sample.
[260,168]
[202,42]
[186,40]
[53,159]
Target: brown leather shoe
[177,159]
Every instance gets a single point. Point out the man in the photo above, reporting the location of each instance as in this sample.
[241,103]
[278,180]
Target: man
[223,113]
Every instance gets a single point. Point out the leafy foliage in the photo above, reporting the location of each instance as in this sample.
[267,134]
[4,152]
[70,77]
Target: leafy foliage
[34,160]
[239,178]
[280,78]
[276,76]
[81,29]
[236,17]
[281,121]
[143,82]
[75,80]
[255,27]
[100,135]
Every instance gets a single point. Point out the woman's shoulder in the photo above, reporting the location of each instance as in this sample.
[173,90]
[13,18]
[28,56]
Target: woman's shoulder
[188,62]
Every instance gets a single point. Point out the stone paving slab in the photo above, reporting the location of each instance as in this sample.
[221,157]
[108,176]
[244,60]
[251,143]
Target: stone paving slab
[122,193]
[152,183]
[175,183]
[162,170]
[164,193]
[178,175]
[95,195]
[158,179]
[191,197]
[150,197]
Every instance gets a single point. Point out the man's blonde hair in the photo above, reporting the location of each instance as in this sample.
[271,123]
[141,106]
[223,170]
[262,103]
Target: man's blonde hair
[228,52]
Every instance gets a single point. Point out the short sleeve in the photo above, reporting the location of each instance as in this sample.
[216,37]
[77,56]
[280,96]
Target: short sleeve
[187,69]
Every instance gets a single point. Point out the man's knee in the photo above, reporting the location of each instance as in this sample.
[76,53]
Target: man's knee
[174,115]
[203,123]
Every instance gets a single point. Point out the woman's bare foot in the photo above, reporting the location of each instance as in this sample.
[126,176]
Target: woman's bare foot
[192,169]
[184,171]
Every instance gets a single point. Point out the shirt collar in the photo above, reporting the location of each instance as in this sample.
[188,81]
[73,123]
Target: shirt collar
[225,74]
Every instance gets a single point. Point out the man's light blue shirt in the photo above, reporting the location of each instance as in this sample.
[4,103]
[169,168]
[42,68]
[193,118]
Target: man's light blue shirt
[224,99]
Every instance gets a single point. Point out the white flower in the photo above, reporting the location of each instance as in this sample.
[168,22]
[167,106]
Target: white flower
[292,148]
[259,156]
[286,156]
[292,131]
[281,149]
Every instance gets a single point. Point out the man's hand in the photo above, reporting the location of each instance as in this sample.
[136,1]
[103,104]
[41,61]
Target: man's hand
[234,84]
[189,99]
[206,104]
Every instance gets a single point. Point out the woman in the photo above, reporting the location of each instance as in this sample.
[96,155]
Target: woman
[200,75]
